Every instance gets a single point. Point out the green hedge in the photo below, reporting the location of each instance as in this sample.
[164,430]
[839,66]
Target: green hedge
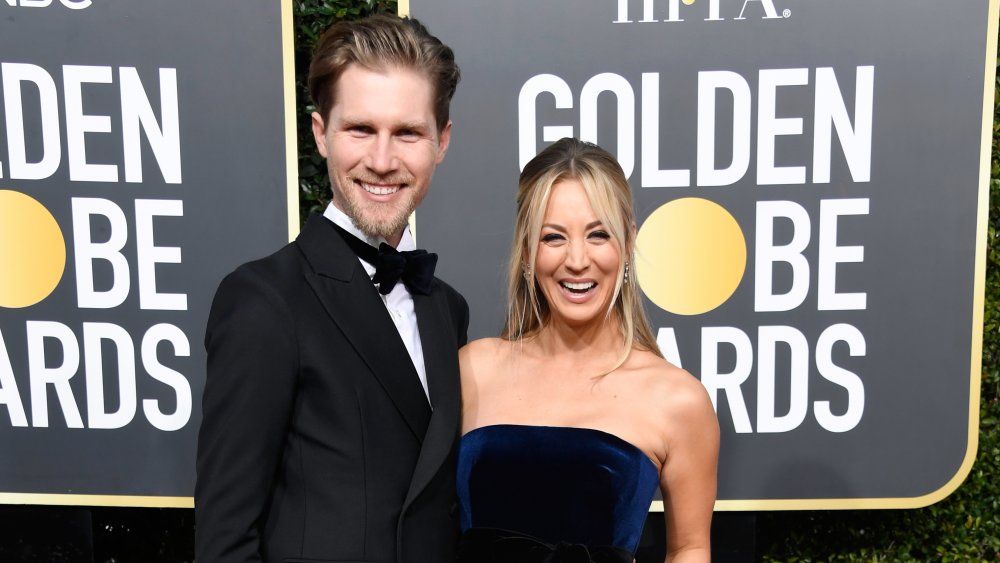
[963,527]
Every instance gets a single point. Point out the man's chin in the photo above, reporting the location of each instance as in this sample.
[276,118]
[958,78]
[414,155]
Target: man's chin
[382,227]
[377,220]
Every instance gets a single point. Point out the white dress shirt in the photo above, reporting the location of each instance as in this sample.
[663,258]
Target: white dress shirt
[398,302]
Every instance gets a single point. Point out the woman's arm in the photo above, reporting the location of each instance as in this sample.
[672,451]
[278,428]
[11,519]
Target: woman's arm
[688,478]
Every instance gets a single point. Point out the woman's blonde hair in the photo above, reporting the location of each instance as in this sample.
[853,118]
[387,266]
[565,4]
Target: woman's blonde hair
[610,197]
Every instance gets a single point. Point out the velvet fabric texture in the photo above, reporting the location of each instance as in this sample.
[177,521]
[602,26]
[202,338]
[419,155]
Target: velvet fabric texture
[489,545]
[561,486]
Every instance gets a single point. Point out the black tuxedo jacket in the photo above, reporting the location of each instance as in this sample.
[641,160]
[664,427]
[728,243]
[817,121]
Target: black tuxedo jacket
[318,442]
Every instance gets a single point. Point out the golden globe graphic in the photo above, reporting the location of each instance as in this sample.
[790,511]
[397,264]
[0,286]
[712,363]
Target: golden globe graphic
[32,251]
[690,256]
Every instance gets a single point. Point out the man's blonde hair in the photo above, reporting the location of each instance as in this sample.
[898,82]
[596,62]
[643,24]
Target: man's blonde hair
[379,43]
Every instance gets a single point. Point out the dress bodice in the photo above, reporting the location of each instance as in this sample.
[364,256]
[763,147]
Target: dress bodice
[558,484]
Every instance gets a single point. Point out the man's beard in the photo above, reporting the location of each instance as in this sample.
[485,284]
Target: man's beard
[385,227]
[379,220]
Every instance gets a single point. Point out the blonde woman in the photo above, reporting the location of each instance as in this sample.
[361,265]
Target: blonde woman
[572,418]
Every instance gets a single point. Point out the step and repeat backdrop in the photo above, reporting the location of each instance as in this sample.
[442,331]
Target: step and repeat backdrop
[810,179]
[144,153]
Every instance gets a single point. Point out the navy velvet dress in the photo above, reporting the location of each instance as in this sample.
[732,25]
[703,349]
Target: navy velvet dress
[551,494]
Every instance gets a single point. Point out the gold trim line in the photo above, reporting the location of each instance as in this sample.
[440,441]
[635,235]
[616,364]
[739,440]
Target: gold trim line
[291,135]
[96,500]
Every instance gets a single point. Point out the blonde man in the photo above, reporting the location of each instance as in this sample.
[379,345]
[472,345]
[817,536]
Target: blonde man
[331,405]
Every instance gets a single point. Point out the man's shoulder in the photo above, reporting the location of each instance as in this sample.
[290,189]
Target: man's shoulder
[280,262]
[457,307]
[278,268]
[447,289]
[456,301]
[279,273]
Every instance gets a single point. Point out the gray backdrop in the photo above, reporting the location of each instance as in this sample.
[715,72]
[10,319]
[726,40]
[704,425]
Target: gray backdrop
[228,61]
[919,235]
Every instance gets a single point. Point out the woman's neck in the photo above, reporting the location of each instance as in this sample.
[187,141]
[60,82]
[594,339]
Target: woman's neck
[593,344]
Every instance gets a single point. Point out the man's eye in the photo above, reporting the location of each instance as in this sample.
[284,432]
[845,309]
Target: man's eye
[410,135]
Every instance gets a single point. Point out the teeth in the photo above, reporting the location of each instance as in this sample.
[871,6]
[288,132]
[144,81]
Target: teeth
[379,190]
[578,286]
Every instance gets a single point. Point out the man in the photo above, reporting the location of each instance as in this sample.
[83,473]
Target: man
[331,404]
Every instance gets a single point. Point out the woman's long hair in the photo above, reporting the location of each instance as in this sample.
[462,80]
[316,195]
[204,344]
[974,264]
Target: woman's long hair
[610,197]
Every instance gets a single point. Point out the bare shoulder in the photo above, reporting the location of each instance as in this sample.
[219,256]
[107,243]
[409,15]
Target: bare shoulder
[482,352]
[673,390]
[479,359]
[479,363]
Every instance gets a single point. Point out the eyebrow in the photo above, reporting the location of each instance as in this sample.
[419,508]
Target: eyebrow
[348,122]
[419,125]
[351,121]
[562,229]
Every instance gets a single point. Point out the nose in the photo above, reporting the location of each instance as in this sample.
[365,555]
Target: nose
[577,256]
[382,158]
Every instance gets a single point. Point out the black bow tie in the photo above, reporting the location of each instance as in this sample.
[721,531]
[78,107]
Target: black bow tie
[414,267]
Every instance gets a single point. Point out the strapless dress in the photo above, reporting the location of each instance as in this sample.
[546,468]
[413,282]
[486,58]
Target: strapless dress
[534,494]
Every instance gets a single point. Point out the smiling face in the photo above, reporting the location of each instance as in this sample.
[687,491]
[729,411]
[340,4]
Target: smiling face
[382,146]
[578,261]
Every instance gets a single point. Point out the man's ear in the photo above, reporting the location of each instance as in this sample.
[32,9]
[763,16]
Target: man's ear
[444,138]
[319,133]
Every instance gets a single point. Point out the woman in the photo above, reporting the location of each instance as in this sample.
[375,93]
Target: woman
[572,418]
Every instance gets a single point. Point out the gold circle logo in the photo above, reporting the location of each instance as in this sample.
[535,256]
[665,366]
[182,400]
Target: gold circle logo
[32,251]
[690,256]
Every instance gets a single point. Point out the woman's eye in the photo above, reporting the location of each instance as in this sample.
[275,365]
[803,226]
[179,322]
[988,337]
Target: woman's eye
[603,235]
[552,237]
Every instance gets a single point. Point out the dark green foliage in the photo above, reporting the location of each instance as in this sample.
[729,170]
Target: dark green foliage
[963,527]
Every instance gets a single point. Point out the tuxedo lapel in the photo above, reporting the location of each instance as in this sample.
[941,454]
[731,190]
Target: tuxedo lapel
[351,300]
[438,339]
